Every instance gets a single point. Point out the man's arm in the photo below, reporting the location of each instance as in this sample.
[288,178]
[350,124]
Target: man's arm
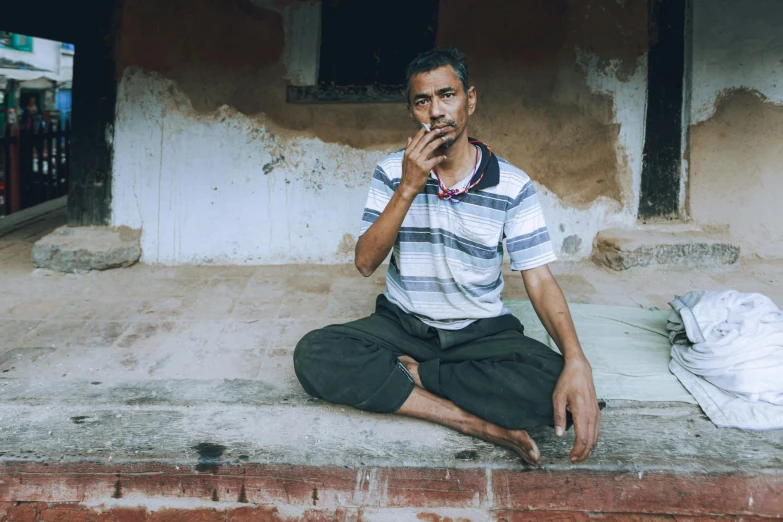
[375,244]
[575,391]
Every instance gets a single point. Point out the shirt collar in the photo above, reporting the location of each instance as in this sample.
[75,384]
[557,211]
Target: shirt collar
[489,166]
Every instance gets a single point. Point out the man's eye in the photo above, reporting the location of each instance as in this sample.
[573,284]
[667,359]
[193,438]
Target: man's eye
[421,102]
[448,95]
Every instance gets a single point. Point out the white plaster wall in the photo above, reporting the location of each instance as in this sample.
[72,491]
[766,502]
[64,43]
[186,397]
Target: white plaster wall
[197,187]
[45,55]
[735,44]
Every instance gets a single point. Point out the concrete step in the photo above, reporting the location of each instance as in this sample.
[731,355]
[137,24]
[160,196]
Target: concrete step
[665,246]
[200,445]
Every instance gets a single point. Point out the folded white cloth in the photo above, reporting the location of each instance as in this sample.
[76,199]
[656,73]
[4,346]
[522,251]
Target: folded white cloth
[727,349]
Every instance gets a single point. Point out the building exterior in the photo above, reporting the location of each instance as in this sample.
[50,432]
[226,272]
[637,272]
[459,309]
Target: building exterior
[214,165]
[228,134]
[34,67]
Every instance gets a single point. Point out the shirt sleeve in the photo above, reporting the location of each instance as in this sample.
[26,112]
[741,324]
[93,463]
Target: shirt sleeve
[527,238]
[381,192]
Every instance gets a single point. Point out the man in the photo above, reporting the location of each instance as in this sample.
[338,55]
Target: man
[31,117]
[441,346]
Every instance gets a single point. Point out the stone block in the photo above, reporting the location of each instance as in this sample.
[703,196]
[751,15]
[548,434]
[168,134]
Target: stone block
[79,249]
[621,249]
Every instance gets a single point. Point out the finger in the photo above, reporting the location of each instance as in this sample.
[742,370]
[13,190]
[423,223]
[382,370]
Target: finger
[559,403]
[597,428]
[581,440]
[590,440]
[417,138]
[581,444]
[593,422]
[434,161]
[434,144]
[426,139]
[589,445]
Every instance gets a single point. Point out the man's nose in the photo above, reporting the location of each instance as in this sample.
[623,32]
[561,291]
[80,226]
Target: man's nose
[436,110]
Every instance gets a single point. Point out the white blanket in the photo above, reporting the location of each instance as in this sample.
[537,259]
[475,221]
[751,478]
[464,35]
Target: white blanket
[727,350]
[628,348]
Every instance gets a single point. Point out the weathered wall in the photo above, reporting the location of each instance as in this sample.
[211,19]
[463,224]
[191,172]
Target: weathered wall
[215,166]
[736,157]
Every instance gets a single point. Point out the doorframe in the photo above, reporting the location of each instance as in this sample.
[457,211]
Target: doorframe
[663,187]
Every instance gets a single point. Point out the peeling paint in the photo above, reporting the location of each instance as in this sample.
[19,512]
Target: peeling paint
[736,163]
[734,154]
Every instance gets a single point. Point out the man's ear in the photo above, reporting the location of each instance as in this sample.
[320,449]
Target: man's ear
[472,98]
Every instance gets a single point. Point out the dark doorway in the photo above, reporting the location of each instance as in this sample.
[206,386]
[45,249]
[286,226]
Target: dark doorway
[662,163]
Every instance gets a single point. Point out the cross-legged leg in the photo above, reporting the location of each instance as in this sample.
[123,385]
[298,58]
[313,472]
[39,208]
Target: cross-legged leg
[428,406]
[506,379]
[338,365]
[343,365]
[371,365]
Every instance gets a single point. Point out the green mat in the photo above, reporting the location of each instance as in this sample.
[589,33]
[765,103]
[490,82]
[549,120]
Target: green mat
[628,349]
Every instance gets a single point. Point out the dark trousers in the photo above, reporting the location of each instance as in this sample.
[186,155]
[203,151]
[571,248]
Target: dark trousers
[489,368]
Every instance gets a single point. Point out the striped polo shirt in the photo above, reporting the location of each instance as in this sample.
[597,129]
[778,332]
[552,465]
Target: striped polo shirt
[445,267]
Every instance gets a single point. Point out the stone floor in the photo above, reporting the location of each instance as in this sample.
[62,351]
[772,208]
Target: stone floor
[149,322]
[148,364]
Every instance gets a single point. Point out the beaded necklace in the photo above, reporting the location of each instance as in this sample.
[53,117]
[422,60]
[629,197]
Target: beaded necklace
[450,194]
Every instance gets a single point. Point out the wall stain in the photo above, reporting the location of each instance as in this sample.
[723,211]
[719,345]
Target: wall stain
[571,244]
[347,245]
[209,456]
[466,455]
[270,166]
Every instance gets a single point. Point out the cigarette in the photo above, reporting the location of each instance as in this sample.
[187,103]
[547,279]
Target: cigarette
[426,127]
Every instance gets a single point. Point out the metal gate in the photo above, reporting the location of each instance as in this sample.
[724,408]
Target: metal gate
[35,164]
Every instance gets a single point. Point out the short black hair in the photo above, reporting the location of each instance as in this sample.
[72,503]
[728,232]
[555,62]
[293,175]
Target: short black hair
[434,59]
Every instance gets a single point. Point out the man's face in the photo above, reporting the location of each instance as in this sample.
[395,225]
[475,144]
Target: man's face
[439,100]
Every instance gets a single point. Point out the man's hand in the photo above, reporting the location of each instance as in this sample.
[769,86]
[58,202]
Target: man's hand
[575,392]
[418,160]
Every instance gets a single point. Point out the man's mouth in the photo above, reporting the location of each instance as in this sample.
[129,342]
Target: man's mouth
[444,127]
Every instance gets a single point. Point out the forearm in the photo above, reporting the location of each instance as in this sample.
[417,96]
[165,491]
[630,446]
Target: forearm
[550,305]
[375,244]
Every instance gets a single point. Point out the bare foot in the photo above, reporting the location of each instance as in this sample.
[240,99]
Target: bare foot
[428,406]
[412,367]
[517,440]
